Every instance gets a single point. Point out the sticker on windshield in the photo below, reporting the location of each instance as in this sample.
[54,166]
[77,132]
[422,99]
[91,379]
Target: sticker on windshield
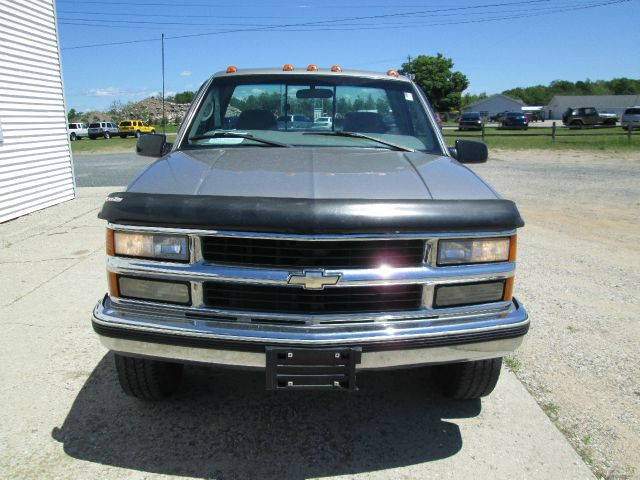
[408,96]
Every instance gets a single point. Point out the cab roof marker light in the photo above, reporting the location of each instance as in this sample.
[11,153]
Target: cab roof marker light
[232,69]
[336,68]
[287,68]
[312,68]
[392,73]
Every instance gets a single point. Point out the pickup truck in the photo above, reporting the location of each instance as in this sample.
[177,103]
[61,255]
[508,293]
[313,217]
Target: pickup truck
[589,116]
[310,255]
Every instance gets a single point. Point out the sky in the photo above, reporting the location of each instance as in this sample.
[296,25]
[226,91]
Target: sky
[497,44]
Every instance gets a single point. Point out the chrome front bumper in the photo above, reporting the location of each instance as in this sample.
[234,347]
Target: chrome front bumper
[148,332]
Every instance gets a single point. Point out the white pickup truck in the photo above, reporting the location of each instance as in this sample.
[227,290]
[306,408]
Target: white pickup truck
[77,131]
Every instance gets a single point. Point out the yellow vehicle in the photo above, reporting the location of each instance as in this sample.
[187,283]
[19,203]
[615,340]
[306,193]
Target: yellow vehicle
[134,127]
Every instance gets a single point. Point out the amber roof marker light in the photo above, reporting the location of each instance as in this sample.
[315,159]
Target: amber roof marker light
[232,69]
[312,68]
[336,68]
[287,68]
[392,73]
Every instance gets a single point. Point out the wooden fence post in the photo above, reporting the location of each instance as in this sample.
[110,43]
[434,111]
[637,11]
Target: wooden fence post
[629,131]
[553,133]
[483,131]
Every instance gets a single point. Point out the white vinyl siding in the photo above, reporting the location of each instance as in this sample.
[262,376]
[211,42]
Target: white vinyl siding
[36,169]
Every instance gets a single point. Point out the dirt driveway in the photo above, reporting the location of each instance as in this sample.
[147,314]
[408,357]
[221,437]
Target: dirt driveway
[579,264]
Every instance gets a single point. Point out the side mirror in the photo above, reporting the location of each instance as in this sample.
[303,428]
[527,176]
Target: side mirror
[152,145]
[467,151]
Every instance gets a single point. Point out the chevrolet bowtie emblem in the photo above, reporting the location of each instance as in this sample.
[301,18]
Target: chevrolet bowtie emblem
[313,279]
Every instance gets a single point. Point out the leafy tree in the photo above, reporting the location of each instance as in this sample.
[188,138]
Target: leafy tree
[442,86]
[73,115]
[469,98]
[182,97]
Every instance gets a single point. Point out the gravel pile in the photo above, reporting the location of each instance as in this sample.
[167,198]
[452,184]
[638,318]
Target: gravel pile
[578,275]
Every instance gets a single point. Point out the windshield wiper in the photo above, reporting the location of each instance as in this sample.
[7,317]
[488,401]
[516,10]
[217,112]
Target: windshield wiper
[247,136]
[394,146]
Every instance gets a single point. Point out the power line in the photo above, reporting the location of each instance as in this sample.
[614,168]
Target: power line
[319,24]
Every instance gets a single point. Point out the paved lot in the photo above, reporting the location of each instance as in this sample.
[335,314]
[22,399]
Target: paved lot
[105,169]
[63,415]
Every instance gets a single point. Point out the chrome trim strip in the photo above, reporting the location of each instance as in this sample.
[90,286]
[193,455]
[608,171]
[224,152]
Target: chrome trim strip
[347,237]
[199,271]
[370,360]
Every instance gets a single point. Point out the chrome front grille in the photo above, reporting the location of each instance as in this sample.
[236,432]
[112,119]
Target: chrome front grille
[331,300]
[298,254]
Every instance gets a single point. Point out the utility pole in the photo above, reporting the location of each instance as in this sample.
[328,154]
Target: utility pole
[410,67]
[162,120]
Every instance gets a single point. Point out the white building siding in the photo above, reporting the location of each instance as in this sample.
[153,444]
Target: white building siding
[605,103]
[35,157]
[495,104]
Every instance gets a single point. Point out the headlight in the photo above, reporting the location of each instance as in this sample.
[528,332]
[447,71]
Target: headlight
[151,245]
[474,250]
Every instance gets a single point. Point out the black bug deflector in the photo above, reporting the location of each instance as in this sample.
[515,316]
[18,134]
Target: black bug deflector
[310,216]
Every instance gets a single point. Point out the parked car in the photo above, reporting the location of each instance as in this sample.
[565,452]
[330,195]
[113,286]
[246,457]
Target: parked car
[515,120]
[631,117]
[323,123]
[470,121]
[499,116]
[311,255]
[294,122]
[77,131]
[134,128]
[587,116]
[102,129]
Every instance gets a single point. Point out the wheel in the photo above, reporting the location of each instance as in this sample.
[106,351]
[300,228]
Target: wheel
[576,124]
[92,138]
[148,379]
[137,134]
[73,137]
[107,135]
[470,380]
[153,132]
[123,136]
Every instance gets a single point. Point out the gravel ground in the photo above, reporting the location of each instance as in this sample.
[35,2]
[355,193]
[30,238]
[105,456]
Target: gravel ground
[578,277]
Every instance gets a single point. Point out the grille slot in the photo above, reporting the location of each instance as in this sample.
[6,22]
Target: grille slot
[286,299]
[280,253]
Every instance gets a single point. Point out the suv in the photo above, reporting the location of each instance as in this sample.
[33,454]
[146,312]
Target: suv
[134,128]
[77,131]
[102,129]
[470,121]
[587,116]
[294,122]
[515,120]
[631,118]
[309,254]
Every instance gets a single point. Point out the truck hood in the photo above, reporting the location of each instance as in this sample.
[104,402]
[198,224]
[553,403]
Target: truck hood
[312,173]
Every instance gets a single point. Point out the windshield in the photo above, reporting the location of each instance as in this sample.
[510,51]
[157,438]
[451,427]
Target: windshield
[470,116]
[287,109]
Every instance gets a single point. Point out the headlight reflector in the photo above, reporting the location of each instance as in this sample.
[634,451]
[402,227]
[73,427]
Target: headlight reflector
[151,245]
[147,289]
[473,250]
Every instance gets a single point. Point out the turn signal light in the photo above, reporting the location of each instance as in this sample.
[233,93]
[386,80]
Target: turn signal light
[312,68]
[392,73]
[288,68]
[336,68]
[232,69]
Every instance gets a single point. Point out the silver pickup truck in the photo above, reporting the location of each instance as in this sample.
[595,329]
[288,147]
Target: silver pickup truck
[310,254]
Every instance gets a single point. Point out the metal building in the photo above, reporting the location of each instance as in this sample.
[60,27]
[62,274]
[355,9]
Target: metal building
[604,103]
[495,104]
[36,168]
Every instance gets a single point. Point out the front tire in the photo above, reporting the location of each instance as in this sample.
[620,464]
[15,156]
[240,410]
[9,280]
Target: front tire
[137,134]
[107,135]
[73,137]
[148,379]
[470,380]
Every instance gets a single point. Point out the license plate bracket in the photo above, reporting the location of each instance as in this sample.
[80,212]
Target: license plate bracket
[312,369]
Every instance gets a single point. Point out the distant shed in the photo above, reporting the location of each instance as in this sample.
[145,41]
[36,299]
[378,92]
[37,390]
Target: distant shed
[495,104]
[36,168]
[603,103]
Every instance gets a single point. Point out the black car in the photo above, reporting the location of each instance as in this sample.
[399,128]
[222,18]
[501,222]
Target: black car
[470,121]
[515,120]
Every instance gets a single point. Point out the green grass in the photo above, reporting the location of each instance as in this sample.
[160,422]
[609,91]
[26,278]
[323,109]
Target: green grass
[512,363]
[518,139]
[115,143]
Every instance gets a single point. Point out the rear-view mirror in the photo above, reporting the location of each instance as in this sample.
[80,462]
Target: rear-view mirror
[152,145]
[468,151]
[314,93]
